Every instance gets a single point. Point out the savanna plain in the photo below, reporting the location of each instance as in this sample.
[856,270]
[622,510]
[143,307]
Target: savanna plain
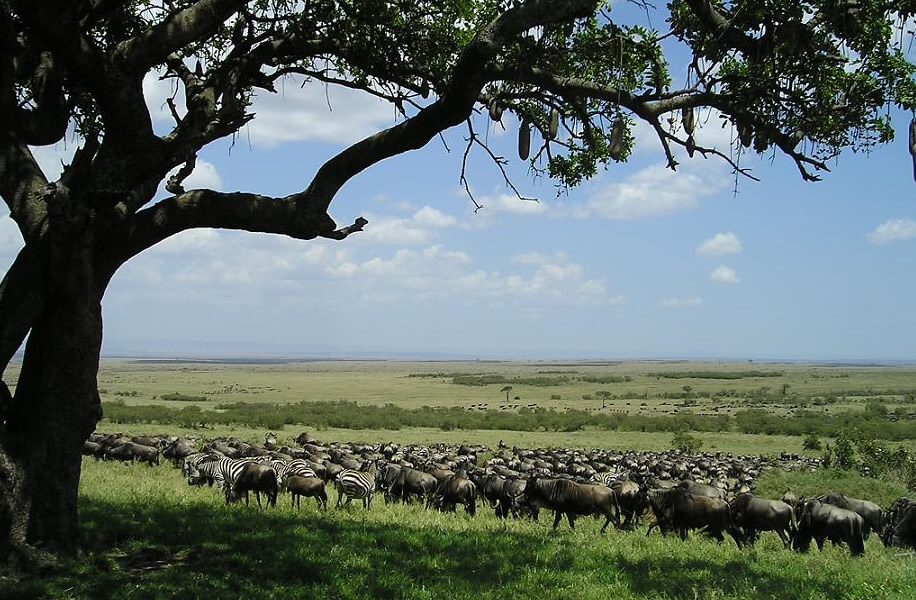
[149,535]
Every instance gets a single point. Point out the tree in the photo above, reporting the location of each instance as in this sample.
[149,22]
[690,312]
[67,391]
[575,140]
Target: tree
[506,389]
[802,79]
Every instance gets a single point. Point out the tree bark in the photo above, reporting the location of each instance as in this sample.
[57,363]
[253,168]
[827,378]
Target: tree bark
[56,404]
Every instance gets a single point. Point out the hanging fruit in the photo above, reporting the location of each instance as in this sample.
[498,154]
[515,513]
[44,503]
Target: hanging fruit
[616,146]
[687,119]
[495,110]
[554,124]
[745,134]
[524,140]
[691,146]
[424,89]
[913,144]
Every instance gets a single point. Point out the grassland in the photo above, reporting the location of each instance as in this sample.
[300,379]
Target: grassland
[713,387]
[149,535]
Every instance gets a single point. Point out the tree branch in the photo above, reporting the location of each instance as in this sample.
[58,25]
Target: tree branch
[179,29]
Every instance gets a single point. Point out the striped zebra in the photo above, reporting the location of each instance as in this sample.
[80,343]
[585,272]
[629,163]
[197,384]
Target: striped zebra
[224,471]
[190,466]
[285,470]
[356,484]
[607,478]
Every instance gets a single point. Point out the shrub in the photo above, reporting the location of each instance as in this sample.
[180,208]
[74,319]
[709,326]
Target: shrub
[686,443]
[812,442]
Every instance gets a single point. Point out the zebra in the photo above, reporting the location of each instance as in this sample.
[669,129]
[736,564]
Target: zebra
[357,484]
[606,478]
[224,471]
[285,470]
[191,464]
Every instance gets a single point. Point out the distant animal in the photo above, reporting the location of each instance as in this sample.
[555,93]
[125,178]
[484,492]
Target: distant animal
[310,487]
[823,521]
[566,497]
[132,451]
[678,510]
[356,484]
[753,514]
[257,478]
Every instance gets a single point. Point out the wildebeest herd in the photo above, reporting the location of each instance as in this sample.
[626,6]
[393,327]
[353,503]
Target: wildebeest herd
[712,493]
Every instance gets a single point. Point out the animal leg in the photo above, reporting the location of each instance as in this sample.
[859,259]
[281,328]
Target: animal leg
[556,518]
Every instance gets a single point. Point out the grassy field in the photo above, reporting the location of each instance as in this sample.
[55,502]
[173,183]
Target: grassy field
[149,535]
[634,386]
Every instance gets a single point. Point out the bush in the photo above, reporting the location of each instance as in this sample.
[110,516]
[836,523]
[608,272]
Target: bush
[812,442]
[686,443]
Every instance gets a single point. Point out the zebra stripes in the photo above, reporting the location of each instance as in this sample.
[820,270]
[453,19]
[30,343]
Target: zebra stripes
[224,471]
[285,470]
[356,484]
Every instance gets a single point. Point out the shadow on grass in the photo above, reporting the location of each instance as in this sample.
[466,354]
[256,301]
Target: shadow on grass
[158,550]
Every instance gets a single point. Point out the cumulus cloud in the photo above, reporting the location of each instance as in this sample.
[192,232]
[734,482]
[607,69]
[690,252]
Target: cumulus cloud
[720,244]
[723,274]
[332,114]
[507,203]
[651,192]
[893,230]
[681,302]
[419,228]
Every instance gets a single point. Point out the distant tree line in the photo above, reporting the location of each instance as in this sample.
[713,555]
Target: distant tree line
[875,422]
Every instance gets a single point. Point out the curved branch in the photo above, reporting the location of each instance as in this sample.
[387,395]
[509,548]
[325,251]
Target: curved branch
[150,48]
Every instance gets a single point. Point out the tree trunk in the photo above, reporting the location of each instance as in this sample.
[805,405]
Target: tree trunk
[55,407]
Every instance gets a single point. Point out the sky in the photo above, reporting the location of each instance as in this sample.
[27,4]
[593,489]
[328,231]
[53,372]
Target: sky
[640,262]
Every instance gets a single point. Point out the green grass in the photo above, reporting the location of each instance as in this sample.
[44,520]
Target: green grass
[149,535]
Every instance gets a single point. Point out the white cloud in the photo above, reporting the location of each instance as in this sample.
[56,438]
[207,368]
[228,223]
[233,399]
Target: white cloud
[507,203]
[419,228]
[431,217]
[719,244]
[893,230]
[681,302]
[651,192]
[723,274]
[313,112]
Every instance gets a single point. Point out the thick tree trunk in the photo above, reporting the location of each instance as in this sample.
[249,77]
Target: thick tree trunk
[56,404]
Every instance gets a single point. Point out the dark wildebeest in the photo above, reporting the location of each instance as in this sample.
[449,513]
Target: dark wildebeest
[491,487]
[411,482]
[310,487]
[675,508]
[753,514]
[177,450]
[633,501]
[870,512]
[456,490]
[900,524]
[256,478]
[385,480]
[564,496]
[511,500]
[132,451]
[822,521]
[93,449]
[701,489]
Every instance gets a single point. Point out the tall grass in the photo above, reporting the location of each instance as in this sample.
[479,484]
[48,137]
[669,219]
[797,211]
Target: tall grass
[151,536]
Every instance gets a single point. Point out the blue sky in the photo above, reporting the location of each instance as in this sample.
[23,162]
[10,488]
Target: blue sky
[638,263]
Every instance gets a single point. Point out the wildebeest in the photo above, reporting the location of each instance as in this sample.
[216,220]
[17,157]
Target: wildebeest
[511,500]
[132,451]
[413,483]
[870,512]
[632,500]
[753,514]
[900,524]
[310,487]
[822,521]
[790,498]
[453,491]
[564,496]
[257,478]
[677,509]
